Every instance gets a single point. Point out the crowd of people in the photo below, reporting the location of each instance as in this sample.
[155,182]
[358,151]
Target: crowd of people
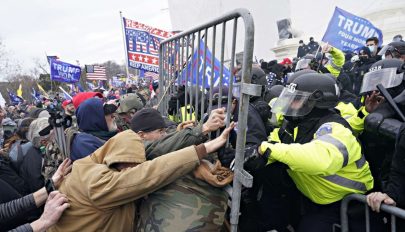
[321,129]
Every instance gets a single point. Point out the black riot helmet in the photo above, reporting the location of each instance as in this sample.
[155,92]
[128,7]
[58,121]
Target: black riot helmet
[306,92]
[257,75]
[273,92]
[394,50]
[388,72]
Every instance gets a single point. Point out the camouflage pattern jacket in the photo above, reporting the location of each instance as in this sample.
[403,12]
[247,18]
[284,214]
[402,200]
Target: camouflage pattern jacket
[187,204]
[52,159]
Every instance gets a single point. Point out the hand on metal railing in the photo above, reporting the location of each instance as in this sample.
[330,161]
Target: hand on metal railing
[215,121]
[218,142]
[374,200]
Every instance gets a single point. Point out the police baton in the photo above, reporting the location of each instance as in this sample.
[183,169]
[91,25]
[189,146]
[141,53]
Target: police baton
[387,96]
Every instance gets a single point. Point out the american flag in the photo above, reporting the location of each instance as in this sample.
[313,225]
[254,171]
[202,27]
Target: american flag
[143,45]
[154,43]
[95,72]
[141,41]
[155,76]
[130,45]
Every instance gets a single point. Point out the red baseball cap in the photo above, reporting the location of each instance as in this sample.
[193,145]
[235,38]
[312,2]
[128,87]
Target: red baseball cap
[286,61]
[66,102]
[81,97]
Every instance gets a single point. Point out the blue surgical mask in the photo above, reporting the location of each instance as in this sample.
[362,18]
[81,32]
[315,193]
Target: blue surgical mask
[371,48]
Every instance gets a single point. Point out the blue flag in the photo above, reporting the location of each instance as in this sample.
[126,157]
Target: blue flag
[350,32]
[49,58]
[64,72]
[14,99]
[198,64]
[35,95]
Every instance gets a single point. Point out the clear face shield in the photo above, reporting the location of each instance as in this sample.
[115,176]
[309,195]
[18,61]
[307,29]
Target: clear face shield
[389,52]
[303,64]
[292,102]
[388,77]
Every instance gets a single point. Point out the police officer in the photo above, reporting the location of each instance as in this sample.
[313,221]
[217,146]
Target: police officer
[349,106]
[259,110]
[381,127]
[362,63]
[317,159]
[313,45]
[302,49]
[394,50]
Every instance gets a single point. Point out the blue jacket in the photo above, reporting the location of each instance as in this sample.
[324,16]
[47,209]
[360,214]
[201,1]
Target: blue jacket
[90,120]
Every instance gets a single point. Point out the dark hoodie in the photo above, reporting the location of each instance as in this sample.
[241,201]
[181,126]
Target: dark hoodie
[93,128]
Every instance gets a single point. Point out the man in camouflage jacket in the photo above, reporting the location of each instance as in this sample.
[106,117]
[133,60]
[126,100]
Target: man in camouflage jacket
[188,204]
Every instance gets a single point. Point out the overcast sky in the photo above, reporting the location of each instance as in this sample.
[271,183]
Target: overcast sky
[90,31]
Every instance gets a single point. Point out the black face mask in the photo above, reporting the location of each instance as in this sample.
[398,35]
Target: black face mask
[293,120]
[363,58]
[314,115]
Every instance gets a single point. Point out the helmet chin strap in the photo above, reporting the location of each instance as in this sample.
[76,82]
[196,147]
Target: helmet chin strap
[315,113]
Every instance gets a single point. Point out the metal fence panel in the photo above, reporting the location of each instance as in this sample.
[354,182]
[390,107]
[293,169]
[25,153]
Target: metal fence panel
[177,69]
[394,211]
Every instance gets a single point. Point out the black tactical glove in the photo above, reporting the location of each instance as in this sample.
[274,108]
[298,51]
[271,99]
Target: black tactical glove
[253,160]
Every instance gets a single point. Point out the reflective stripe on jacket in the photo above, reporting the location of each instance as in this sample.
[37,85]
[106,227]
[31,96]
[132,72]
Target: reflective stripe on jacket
[328,167]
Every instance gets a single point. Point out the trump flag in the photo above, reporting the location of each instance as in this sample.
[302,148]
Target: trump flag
[143,43]
[350,32]
[64,72]
[192,78]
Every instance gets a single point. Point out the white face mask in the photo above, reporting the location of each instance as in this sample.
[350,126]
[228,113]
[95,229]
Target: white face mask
[371,48]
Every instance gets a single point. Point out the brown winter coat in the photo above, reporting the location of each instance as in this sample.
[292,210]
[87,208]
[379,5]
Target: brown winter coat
[102,198]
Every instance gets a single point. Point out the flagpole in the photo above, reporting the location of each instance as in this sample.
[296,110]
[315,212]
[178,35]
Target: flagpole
[125,44]
[50,78]
[64,91]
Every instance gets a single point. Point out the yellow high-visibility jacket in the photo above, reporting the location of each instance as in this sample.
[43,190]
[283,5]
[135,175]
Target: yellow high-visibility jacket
[349,112]
[337,62]
[327,168]
[185,115]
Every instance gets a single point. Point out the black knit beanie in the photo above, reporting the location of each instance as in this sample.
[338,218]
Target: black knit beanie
[147,120]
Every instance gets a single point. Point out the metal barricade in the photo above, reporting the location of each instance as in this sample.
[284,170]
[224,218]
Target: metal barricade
[394,211]
[181,60]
